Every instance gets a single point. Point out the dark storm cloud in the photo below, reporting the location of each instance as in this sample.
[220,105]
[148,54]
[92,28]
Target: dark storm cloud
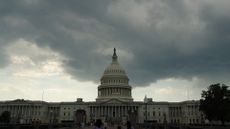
[179,39]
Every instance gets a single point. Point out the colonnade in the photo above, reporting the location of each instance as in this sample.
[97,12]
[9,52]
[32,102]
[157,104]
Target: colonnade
[111,111]
[22,109]
[175,111]
[115,91]
[28,112]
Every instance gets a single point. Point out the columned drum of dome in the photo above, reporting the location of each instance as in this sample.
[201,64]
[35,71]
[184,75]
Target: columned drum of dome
[114,83]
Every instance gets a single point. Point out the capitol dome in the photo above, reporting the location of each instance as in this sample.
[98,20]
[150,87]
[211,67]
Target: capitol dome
[114,69]
[114,82]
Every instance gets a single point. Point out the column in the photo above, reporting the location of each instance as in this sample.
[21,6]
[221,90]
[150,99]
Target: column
[94,112]
[103,111]
[99,111]
[18,110]
[106,114]
[122,110]
[109,111]
[125,110]
[118,111]
[114,112]
[12,112]
[22,110]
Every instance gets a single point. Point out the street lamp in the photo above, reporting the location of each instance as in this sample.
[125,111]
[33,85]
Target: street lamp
[146,115]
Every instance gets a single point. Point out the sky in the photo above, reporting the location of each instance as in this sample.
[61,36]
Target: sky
[55,50]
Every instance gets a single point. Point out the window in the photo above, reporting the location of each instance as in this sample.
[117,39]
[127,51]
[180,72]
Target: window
[153,113]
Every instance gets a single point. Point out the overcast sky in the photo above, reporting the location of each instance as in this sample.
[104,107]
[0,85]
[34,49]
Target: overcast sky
[170,49]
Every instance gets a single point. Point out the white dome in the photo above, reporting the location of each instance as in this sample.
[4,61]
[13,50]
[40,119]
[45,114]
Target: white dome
[114,83]
[114,69]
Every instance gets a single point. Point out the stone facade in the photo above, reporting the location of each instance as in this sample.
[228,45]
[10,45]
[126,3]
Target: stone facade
[113,104]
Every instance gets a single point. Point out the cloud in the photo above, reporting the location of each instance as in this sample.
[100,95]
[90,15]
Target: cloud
[155,39]
[171,89]
[29,60]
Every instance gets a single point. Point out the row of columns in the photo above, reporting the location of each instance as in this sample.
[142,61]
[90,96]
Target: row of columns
[115,81]
[111,111]
[22,110]
[115,91]
[175,111]
[193,110]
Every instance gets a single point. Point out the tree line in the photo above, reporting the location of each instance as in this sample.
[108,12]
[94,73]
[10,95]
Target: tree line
[215,103]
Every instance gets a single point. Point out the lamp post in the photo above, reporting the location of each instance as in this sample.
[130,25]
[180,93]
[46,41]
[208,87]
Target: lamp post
[146,112]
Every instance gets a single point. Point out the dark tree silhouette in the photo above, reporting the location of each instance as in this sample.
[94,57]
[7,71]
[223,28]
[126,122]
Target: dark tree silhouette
[215,103]
[5,117]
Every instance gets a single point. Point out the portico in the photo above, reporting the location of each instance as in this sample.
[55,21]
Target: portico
[112,110]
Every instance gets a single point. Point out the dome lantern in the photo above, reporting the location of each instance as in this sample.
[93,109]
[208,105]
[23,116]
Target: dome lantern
[114,57]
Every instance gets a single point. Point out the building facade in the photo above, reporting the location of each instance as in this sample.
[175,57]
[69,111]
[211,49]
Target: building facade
[113,104]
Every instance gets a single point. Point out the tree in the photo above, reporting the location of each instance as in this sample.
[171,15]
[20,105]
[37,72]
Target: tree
[215,103]
[5,117]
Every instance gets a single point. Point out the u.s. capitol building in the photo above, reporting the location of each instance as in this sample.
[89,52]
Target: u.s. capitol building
[113,104]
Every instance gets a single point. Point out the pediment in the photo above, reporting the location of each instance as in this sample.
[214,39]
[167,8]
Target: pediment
[17,101]
[114,101]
